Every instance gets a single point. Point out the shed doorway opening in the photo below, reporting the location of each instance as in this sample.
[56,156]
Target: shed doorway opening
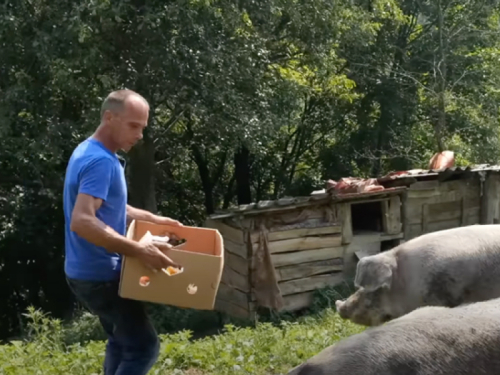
[366,217]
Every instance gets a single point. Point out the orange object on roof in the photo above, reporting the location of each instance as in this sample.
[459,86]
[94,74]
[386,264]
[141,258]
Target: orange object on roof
[442,160]
[350,185]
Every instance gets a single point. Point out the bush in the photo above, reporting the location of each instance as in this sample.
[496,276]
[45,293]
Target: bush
[53,348]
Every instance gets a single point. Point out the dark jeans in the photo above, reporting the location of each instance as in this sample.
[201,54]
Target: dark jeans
[133,344]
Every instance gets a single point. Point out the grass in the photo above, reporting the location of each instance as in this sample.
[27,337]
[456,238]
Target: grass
[269,347]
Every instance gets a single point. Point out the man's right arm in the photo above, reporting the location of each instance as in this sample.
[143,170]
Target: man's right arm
[85,223]
[93,190]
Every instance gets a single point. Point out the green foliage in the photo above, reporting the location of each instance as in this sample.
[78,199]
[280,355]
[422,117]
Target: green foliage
[250,101]
[266,349]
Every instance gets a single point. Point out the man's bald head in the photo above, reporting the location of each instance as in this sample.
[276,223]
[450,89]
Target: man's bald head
[124,116]
[115,101]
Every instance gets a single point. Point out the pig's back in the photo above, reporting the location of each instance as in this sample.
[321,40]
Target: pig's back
[428,341]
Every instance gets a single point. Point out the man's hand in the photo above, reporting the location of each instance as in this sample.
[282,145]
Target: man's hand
[143,215]
[167,221]
[153,256]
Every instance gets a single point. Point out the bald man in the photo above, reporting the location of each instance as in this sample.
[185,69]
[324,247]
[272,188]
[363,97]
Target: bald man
[96,214]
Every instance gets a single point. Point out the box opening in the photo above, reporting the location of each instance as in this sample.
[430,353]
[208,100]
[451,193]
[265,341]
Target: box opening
[196,244]
[366,217]
[144,281]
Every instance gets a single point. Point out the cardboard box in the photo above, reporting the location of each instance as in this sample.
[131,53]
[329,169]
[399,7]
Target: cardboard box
[202,259]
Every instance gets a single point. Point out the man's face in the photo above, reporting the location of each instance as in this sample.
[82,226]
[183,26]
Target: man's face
[129,124]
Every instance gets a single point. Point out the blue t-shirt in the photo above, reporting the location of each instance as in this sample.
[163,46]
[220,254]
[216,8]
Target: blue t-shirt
[96,171]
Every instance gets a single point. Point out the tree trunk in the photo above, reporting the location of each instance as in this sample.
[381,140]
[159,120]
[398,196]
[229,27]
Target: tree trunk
[242,172]
[142,178]
[383,123]
[206,182]
[441,70]
[229,193]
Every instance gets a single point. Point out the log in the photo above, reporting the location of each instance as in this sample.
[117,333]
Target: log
[309,269]
[299,257]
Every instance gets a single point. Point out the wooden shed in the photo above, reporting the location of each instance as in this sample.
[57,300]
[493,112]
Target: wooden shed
[279,252]
[454,197]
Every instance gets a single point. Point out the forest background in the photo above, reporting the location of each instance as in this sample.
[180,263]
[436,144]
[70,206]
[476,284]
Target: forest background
[250,100]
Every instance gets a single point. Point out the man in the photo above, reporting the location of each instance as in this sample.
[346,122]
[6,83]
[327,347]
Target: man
[96,215]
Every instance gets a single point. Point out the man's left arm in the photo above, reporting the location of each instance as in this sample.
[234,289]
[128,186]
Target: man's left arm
[143,215]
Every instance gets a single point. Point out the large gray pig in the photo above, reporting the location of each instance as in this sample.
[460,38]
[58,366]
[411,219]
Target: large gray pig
[444,268]
[431,340]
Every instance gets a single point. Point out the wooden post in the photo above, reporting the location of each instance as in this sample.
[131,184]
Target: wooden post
[345,216]
[391,215]
[490,201]
[405,212]
[425,218]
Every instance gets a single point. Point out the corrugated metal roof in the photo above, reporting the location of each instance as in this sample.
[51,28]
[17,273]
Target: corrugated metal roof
[322,196]
[288,203]
[445,172]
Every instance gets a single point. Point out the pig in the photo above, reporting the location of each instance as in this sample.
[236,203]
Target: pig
[444,268]
[430,340]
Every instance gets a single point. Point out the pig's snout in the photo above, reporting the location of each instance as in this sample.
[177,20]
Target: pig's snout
[340,306]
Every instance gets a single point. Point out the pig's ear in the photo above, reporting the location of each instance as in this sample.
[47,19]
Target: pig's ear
[373,273]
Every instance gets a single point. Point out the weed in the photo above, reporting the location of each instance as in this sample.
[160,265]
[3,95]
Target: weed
[267,347]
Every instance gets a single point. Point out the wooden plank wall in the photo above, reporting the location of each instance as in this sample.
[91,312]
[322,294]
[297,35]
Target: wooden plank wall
[432,205]
[233,296]
[490,201]
[306,256]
